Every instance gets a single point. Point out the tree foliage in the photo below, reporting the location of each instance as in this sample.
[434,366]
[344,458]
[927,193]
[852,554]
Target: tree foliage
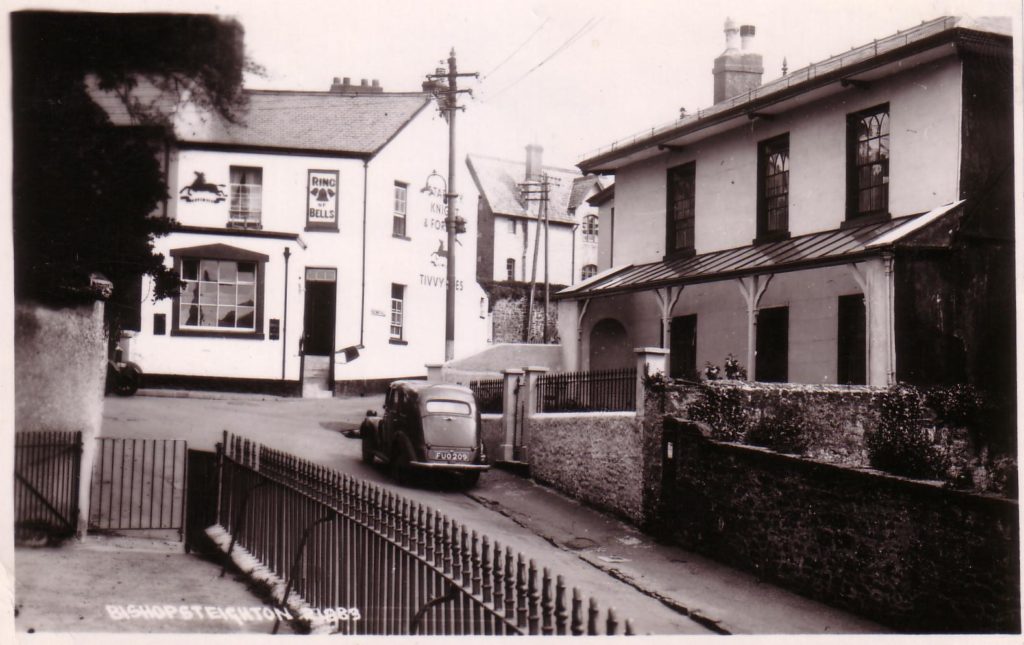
[84,189]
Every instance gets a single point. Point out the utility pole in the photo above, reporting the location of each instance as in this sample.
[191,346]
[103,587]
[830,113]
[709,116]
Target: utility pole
[538,191]
[444,85]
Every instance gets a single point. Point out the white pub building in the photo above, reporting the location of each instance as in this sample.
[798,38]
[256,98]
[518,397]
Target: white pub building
[312,245]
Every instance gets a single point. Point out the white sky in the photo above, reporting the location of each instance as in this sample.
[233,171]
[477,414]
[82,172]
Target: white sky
[631,66]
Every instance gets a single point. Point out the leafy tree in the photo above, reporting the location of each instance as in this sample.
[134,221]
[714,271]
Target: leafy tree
[83,188]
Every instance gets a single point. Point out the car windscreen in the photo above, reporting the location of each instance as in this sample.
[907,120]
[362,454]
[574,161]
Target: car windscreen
[443,406]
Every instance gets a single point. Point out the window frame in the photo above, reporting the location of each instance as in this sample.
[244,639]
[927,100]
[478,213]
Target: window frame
[765,150]
[583,271]
[854,165]
[398,339]
[510,269]
[688,171]
[592,223]
[400,218]
[235,194]
[221,253]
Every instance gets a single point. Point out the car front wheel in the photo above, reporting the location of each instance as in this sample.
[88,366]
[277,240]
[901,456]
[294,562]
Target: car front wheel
[367,434]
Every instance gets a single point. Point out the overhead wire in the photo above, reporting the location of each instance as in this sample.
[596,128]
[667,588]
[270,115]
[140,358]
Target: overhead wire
[516,50]
[588,26]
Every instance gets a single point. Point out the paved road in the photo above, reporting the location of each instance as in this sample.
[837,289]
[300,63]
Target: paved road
[311,429]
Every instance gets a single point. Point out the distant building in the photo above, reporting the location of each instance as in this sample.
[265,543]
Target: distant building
[312,245]
[511,222]
[850,222]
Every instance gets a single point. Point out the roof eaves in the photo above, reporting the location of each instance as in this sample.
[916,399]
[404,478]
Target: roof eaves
[597,163]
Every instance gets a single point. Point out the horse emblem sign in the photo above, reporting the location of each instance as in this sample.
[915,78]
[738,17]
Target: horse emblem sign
[201,190]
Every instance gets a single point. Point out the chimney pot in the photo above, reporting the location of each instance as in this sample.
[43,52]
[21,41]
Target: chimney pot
[747,37]
[534,158]
[737,71]
[376,82]
[347,80]
[363,82]
[336,80]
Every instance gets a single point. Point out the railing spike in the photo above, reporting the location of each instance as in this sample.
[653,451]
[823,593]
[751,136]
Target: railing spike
[561,615]
[628,631]
[576,627]
[533,592]
[546,606]
[611,625]
[521,593]
[592,615]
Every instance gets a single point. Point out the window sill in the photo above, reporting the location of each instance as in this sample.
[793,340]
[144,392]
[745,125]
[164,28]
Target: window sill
[767,238]
[401,237]
[195,333]
[398,341]
[853,221]
[245,226]
[310,228]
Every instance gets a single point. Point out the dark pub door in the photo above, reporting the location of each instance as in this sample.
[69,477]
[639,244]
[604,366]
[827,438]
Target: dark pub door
[321,300]
[683,347]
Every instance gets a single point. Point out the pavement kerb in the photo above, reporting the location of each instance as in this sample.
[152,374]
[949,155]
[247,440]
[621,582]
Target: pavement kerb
[694,614]
[211,395]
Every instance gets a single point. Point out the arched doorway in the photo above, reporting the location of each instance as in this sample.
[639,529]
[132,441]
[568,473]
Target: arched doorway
[610,347]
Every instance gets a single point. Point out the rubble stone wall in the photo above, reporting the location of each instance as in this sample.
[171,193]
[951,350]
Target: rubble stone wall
[507,317]
[592,457]
[910,554]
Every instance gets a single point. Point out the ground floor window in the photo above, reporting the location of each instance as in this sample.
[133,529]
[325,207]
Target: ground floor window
[772,360]
[222,292]
[397,311]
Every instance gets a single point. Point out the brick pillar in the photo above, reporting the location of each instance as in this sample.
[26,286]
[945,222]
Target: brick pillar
[509,415]
[649,361]
[532,374]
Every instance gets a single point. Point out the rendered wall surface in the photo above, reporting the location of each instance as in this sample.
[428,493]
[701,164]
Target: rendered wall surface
[592,457]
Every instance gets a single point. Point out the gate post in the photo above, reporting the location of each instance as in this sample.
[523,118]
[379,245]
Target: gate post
[530,409]
[649,361]
[509,412]
[434,373]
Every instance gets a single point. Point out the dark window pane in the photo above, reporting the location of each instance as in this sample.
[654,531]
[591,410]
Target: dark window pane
[190,269]
[246,317]
[226,317]
[246,295]
[208,315]
[190,314]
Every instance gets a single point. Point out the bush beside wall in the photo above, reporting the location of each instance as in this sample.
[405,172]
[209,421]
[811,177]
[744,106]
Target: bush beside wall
[591,457]
[909,554]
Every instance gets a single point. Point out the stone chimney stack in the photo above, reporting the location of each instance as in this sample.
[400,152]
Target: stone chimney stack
[738,69]
[345,86]
[534,159]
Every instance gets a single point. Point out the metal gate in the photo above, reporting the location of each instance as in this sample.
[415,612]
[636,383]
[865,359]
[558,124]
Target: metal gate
[46,478]
[138,484]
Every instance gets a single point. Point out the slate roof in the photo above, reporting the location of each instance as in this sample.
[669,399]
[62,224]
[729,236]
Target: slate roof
[825,248]
[580,187]
[498,179]
[357,124]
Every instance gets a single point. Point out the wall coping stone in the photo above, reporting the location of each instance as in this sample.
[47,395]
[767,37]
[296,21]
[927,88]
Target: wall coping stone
[584,415]
[926,487]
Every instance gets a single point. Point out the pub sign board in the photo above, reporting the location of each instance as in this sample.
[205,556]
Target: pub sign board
[322,200]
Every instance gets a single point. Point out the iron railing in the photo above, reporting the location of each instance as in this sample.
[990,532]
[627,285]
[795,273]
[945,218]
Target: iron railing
[597,391]
[46,478]
[138,484]
[490,395]
[394,566]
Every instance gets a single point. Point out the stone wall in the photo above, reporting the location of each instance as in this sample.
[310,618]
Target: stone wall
[507,315]
[910,554]
[59,374]
[592,457]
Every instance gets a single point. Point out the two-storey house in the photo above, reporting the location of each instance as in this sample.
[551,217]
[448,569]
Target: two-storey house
[533,223]
[849,222]
[311,242]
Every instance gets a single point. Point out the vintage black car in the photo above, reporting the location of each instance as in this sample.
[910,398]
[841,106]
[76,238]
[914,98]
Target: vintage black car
[427,426]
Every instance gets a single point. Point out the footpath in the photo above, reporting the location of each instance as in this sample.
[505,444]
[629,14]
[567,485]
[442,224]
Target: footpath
[719,597]
[117,584]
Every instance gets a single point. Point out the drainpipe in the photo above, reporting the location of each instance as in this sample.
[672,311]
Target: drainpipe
[572,265]
[362,279]
[284,322]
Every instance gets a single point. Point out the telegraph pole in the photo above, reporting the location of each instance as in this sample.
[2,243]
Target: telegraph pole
[534,191]
[444,84]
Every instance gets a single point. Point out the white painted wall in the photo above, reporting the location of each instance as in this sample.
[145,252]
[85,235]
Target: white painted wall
[606,254]
[418,149]
[924,105]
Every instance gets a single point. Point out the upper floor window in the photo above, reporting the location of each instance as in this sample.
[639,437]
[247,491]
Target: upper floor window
[397,311]
[401,209]
[590,229]
[681,211]
[773,187]
[868,162]
[246,196]
[510,269]
[588,271]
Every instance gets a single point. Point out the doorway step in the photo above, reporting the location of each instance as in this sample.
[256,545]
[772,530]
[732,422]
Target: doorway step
[316,377]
